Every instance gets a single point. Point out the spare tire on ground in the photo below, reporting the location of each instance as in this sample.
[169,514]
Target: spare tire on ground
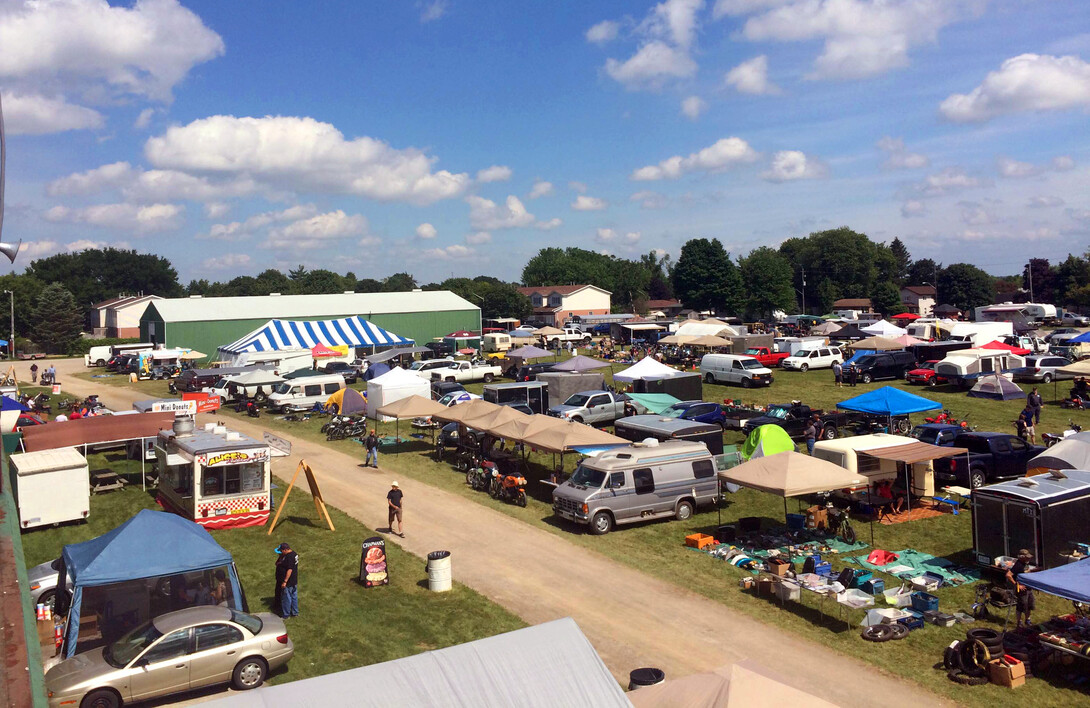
[877,633]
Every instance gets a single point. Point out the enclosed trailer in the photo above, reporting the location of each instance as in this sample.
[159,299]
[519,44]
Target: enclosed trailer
[683,387]
[1045,514]
[562,384]
[638,428]
[51,486]
[533,393]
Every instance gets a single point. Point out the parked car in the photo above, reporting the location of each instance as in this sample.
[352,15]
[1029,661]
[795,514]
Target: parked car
[1041,368]
[813,358]
[1074,319]
[735,368]
[1060,332]
[42,580]
[529,372]
[425,367]
[767,356]
[601,407]
[991,457]
[26,420]
[441,349]
[569,334]
[883,365]
[795,419]
[941,434]
[173,653]
[455,397]
[700,411]
[923,374]
[302,393]
[350,373]
[442,388]
[464,372]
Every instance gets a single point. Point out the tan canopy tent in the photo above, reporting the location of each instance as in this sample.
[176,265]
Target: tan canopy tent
[489,419]
[463,411]
[193,355]
[791,474]
[548,331]
[710,340]
[412,407]
[678,339]
[735,686]
[1079,368]
[880,344]
[910,454]
[567,435]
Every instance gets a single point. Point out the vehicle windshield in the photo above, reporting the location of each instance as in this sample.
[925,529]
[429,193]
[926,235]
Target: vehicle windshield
[777,412]
[927,435]
[675,411]
[251,623]
[417,365]
[864,361]
[587,477]
[751,364]
[449,398]
[124,650]
[579,400]
[753,352]
[282,388]
[220,383]
[928,365]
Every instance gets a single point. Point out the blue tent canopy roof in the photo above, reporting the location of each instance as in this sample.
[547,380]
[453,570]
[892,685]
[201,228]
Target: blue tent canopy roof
[889,401]
[149,545]
[292,334]
[1071,581]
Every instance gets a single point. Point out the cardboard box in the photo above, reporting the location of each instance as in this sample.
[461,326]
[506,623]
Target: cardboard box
[764,587]
[778,566]
[817,517]
[1009,676]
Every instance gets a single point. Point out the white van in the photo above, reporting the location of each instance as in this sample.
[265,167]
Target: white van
[736,369]
[302,393]
[257,385]
[850,453]
[98,356]
[496,342]
[813,358]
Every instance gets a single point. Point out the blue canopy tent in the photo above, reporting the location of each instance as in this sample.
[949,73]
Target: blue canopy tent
[1071,581]
[111,573]
[1080,339]
[889,401]
[351,332]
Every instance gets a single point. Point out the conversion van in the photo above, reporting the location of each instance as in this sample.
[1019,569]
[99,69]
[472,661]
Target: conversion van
[964,367]
[98,356]
[736,369]
[302,393]
[851,454]
[649,480]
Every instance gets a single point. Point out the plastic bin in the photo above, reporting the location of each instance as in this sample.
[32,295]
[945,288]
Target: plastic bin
[896,597]
[789,590]
[911,622]
[855,598]
[796,522]
[861,577]
[874,586]
[923,602]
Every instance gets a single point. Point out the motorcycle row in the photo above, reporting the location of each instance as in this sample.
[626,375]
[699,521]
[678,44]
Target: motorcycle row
[501,480]
[341,427]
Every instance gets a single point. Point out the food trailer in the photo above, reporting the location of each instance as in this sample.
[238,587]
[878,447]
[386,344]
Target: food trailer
[217,477]
[51,486]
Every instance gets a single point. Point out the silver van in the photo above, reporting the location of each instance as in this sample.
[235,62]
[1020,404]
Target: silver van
[303,392]
[648,480]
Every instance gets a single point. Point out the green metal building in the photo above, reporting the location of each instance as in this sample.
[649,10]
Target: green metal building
[206,323]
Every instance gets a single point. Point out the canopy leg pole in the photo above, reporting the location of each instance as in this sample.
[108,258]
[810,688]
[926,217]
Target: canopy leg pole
[872,532]
[397,436]
[143,465]
[785,510]
[908,487]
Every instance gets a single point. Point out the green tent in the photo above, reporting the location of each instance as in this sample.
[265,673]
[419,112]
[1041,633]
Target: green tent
[767,440]
[655,403]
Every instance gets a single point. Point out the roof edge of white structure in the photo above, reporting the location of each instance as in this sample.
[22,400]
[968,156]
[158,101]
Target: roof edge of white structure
[283,307]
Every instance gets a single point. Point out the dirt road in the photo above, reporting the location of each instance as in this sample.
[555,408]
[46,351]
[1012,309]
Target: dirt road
[632,618]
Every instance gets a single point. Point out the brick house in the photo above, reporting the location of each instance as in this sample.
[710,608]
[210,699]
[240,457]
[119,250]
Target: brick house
[553,304]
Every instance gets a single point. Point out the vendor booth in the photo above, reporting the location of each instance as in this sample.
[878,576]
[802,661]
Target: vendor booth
[50,486]
[395,384]
[152,564]
[216,477]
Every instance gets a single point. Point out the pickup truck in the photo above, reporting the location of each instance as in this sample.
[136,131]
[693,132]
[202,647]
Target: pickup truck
[766,356]
[464,372]
[601,407]
[795,419]
[991,457]
[571,334]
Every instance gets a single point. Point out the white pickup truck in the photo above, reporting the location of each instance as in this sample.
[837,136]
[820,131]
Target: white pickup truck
[571,334]
[463,372]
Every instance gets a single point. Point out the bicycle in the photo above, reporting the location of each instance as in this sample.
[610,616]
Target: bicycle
[840,524]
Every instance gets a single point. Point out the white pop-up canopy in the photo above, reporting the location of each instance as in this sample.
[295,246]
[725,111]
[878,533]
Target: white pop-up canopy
[881,328]
[392,386]
[646,368]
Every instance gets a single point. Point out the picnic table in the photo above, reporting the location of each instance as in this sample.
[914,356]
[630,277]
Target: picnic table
[105,480]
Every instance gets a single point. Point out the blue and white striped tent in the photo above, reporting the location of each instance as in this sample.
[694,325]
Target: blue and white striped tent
[291,334]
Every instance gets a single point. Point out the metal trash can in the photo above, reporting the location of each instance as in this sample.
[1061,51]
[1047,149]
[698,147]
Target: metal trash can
[439,571]
[638,678]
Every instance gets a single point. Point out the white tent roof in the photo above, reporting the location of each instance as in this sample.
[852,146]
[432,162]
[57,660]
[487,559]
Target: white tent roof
[646,368]
[699,329]
[881,328]
[551,664]
[397,378]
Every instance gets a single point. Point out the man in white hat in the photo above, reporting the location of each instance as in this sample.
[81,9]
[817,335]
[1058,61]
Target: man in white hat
[393,499]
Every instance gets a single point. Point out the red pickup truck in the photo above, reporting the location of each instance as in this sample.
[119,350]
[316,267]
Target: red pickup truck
[766,356]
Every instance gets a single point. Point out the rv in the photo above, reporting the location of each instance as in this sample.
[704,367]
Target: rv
[964,367]
[980,333]
[282,361]
[851,454]
[1007,312]
[496,342]
[642,427]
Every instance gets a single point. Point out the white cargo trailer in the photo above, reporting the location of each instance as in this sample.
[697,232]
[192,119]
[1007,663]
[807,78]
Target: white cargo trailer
[51,486]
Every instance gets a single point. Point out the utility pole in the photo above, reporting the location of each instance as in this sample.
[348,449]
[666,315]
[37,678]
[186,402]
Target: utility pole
[11,344]
[803,269]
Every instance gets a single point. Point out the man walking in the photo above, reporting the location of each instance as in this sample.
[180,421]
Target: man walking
[371,443]
[1025,424]
[393,500]
[853,375]
[33,373]
[1035,401]
[838,374]
[1026,602]
[287,580]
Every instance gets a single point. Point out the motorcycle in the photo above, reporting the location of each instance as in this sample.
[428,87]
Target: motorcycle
[38,404]
[508,487]
[1051,439]
[173,388]
[479,477]
[944,417]
[249,408]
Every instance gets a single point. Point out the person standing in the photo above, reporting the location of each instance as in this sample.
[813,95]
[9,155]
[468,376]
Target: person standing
[393,501]
[811,435]
[1025,424]
[287,581]
[33,373]
[838,374]
[853,375]
[1036,402]
[1026,602]
[371,443]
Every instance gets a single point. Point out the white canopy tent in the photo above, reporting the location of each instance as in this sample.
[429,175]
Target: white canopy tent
[392,386]
[646,368]
[713,328]
[881,328]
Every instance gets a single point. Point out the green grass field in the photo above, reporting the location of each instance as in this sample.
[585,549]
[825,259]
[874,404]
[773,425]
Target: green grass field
[660,545]
[341,625]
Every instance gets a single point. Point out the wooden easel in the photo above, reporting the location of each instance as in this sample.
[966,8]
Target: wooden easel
[10,376]
[315,492]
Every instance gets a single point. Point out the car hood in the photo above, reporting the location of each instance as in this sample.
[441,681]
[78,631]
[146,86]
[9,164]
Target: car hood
[41,572]
[921,372]
[78,669]
[560,410]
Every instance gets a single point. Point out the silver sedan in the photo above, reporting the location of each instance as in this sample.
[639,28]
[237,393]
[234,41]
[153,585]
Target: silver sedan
[175,652]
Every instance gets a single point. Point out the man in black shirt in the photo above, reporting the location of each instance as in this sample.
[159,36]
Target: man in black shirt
[393,500]
[287,580]
[1026,601]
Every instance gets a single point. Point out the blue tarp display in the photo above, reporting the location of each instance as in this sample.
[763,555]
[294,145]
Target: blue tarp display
[1071,581]
[296,334]
[889,401]
[857,355]
[1080,339]
[152,544]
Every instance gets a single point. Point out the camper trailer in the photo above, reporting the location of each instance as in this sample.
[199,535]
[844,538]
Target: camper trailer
[640,427]
[964,367]
[496,342]
[850,453]
[282,361]
[980,333]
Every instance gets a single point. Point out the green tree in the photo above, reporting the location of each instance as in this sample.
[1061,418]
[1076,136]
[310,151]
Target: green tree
[26,289]
[57,322]
[965,286]
[902,259]
[766,277]
[504,300]
[828,292]
[705,278]
[399,282]
[886,299]
[1039,278]
[274,281]
[658,268]
[838,260]
[1072,276]
[321,282]
[368,285]
[923,271]
[298,273]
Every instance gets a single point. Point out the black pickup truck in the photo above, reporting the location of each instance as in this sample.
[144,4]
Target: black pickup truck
[991,457]
[795,418]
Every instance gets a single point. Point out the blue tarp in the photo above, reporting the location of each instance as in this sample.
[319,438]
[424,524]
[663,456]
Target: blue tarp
[375,370]
[889,401]
[1080,339]
[7,403]
[859,354]
[1071,581]
[151,544]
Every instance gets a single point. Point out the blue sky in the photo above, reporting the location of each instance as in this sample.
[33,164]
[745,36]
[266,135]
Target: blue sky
[454,137]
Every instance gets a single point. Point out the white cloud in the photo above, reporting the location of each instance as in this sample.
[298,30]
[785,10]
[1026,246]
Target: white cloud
[603,32]
[1013,168]
[1044,202]
[549,225]
[673,20]
[128,217]
[913,208]
[453,252]
[303,154]
[580,187]
[752,77]
[1063,163]
[143,50]
[37,249]
[862,38]
[951,179]
[585,203]
[791,165]
[976,214]
[612,236]
[216,210]
[649,199]
[692,107]
[478,237]
[541,188]
[426,231]
[898,157]
[30,114]
[724,153]
[149,185]
[87,245]
[486,215]
[92,181]
[651,66]
[317,230]
[1028,82]
[238,230]
[433,10]
[227,261]
[495,173]
[144,119]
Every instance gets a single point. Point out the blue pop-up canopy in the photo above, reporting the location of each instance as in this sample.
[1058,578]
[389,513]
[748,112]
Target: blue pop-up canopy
[889,401]
[152,544]
[1071,581]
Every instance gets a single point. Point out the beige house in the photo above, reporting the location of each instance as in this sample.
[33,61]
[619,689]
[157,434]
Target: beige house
[918,299]
[119,316]
[554,304]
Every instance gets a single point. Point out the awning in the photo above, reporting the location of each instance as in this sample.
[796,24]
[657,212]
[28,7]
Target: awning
[913,452]
[393,353]
[642,326]
[96,430]
[790,474]
[654,402]
[1071,581]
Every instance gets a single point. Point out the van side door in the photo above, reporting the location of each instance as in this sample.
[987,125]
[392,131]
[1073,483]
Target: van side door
[737,372]
[621,500]
[646,500]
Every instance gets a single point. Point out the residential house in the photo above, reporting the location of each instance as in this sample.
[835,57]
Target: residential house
[119,316]
[554,304]
[668,308]
[859,304]
[918,299]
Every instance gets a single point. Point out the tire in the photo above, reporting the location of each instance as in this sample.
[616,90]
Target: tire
[684,510]
[601,523]
[223,401]
[249,673]
[975,657]
[932,382]
[49,597]
[1047,378]
[966,679]
[576,419]
[521,499]
[100,362]
[866,378]
[877,633]
[899,631]
[804,368]
[747,383]
[101,698]
[469,478]
[902,426]
[829,432]
[984,634]
[260,397]
[849,536]
[977,478]
[488,378]
[708,378]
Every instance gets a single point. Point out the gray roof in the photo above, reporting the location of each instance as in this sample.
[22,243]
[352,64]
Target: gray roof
[1043,486]
[202,441]
[665,425]
[267,307]
[549,665]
